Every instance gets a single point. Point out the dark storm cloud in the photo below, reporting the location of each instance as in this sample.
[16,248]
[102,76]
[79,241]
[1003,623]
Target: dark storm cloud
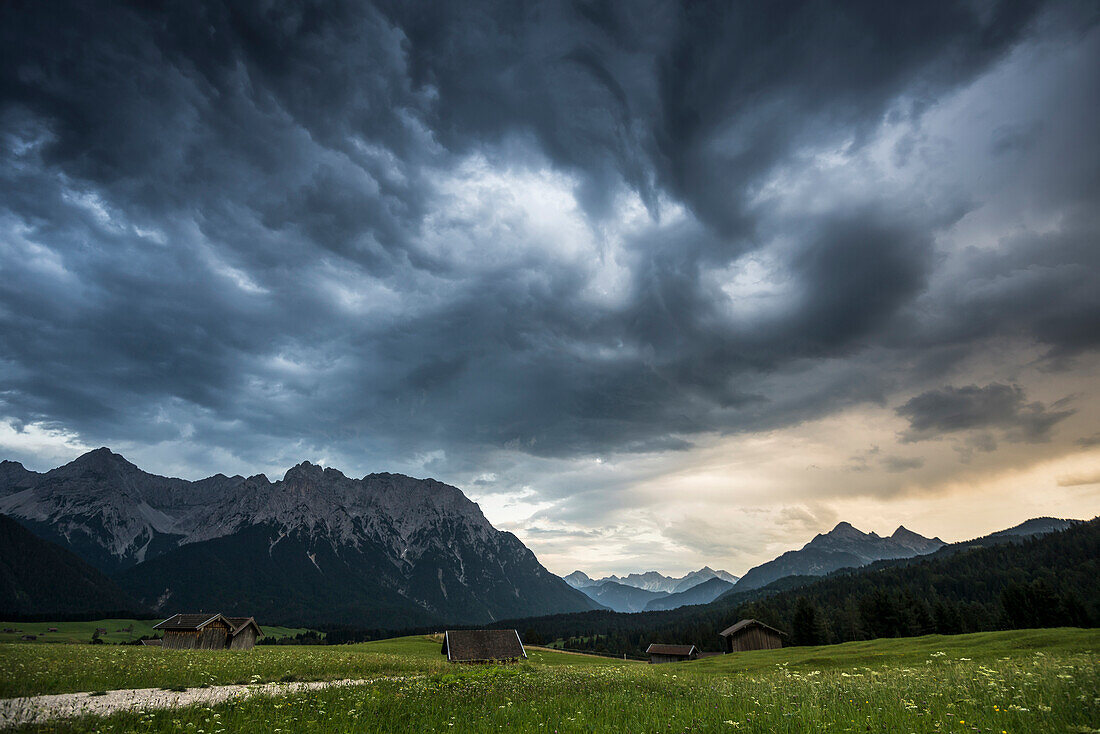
[225,223]
[953,409]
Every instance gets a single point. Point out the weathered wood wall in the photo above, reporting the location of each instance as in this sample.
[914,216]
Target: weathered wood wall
[753,638]
[655,658]
[213,636]
[179,640]
[243,640]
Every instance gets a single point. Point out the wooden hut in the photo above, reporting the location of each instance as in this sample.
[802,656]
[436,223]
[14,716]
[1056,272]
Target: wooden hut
[244,634]
[209,632]
[659,653]
[751,634]
[481,646]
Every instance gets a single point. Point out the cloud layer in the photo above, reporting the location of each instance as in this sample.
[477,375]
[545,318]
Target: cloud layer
[496,242]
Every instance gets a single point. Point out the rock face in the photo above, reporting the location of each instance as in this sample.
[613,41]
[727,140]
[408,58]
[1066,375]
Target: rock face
[382,551]
[842,547]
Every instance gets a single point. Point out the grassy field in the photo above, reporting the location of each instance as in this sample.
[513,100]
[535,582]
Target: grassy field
[37,669]
[118,630]
[1016,682]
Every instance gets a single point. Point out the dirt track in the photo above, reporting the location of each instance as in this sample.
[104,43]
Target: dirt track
[40,709]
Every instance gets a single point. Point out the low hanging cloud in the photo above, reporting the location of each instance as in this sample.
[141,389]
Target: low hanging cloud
[898,464]
[1079,480]
[999,406]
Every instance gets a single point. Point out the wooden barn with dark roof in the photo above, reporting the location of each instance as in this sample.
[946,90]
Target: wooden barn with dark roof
[482,646]
[209,632]
[752,634]
[659,653]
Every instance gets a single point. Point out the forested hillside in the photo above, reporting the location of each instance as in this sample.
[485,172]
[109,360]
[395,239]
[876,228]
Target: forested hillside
[1053,580]
[38,577]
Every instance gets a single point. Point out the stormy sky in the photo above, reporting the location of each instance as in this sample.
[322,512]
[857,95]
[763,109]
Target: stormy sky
[657,284]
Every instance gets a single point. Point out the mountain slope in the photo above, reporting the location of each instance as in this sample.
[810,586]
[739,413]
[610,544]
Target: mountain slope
[1036,526]
[375,552]
[648,581]
[703,593]
[40,578]
[15,477]
[842,547]
[620,597]
[704,574]
[578,580]
[108,511]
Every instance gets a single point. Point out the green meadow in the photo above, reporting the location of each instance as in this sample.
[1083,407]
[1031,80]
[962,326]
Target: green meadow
[118,630]
[1014,682]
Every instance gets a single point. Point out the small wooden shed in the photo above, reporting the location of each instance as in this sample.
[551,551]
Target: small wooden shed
[209,632]
[659,653]
[752,634]
[244,634]
[481,646]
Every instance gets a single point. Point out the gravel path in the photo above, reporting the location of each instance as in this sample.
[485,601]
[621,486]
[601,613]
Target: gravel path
[40,709]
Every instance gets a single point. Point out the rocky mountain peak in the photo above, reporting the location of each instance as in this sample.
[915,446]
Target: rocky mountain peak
[845,528]
[904,533]
[14,477]
[578,579]
[844,531]
[304,472]
[99,461]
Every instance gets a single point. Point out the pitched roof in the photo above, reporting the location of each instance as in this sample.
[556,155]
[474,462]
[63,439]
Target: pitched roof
[192,622]
[745,623]
[659,649]
[239,623]
[478,645]
[188,622]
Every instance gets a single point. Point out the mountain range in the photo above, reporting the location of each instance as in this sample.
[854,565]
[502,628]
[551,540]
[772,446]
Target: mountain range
[638,592]
[1041,573]
[384,551]
[703,593]
[842,547]
[652,580]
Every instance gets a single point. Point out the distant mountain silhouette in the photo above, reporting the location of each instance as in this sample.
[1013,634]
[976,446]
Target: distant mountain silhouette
[620,597]
[842,547]
[652,580]
[703,593]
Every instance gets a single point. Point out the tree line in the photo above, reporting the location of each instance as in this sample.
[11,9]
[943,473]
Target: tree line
[1047,581]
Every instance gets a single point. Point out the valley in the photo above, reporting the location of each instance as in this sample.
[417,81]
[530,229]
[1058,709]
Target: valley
[1022,681]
